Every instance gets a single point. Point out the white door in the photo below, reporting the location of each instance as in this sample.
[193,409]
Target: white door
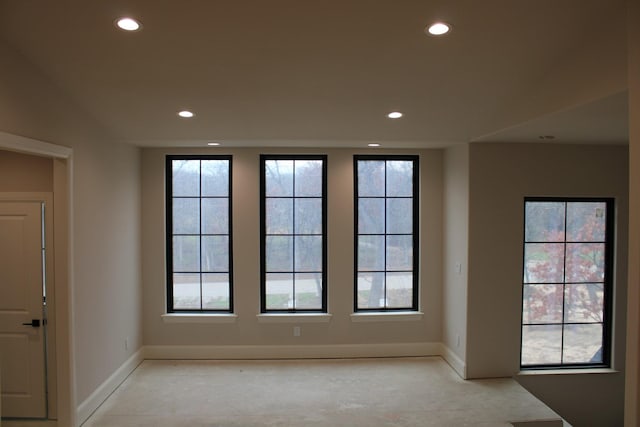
[22,335]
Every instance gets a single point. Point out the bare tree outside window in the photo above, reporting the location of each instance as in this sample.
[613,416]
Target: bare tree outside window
[293,233]
[386,205]
[199,273]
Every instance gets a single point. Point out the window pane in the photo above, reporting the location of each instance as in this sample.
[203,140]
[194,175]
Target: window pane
[584,303]
[399,216]
[293,197]
[399,178]
[399,290]
[399,253]
[308,253]
[586,222]
[199,274]
[215,291]
[583,343]
[279,216]
[541,344]
[279,291]
[215,216]
[186,219]
[542,304]
[186,253]
[585,262]
[308,291]
[308,178]
[573,301]
[279,178]
[371,253]
[186,178]
[386,200]
[543,263]
[371,178]
[308,216]
[215,178]
[215,255]
[371,216]
[186,291]
[371,290]
[279,251]
[544,221]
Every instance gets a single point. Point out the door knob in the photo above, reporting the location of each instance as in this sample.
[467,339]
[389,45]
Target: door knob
[34,323]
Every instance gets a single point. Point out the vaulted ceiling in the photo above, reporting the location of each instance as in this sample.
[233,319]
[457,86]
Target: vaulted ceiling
[326,73]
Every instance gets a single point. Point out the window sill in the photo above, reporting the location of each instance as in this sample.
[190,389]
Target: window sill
[294,318]
[569,371]
[405,316]
[199,318]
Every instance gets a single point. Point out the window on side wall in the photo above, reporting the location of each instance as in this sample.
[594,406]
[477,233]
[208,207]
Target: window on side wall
[293,233]
[567,283]
[386,237]
[198,214]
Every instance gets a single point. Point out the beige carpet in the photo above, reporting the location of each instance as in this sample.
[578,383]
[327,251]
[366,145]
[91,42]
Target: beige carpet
[352,392]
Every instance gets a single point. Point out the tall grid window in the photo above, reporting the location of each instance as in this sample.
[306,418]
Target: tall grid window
[293,233]
[386,240]
[199,262]
[566,304]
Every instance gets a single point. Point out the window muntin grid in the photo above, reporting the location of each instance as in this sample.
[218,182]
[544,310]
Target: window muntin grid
[386,238]
[199,261]
[567,271]
[293,233]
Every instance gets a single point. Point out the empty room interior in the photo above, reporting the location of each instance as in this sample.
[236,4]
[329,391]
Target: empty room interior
[409,213]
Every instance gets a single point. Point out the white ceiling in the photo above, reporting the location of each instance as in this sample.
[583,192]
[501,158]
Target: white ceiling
[325,73]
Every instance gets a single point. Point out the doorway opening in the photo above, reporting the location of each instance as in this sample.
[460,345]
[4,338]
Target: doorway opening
[60,385]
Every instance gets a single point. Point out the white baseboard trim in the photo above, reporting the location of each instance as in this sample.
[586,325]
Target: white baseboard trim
[93,402]
[454,361]
[291,351]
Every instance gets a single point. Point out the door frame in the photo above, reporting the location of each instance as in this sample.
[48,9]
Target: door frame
[51,377]
[63,278]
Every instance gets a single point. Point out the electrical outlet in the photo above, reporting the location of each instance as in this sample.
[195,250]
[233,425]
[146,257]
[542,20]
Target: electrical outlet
[296,331]
[126,343]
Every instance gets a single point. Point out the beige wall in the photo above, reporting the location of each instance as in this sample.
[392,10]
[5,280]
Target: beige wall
[24,173]
[106,216]
[501,175]
[455,249]
[632,397]
[247,330]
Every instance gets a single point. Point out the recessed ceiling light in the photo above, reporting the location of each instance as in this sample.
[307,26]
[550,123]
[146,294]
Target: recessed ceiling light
[185,114]
[128,24]
[394,115]
[373,144]
[546,137]
[213,144]
[438,29]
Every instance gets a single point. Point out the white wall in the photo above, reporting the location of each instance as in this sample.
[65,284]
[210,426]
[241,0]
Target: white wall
[247,330]
[108,291]
[455,249]
[106,216]
[501,175]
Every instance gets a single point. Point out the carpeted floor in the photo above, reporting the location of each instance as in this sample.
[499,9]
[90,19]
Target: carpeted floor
[345,392]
